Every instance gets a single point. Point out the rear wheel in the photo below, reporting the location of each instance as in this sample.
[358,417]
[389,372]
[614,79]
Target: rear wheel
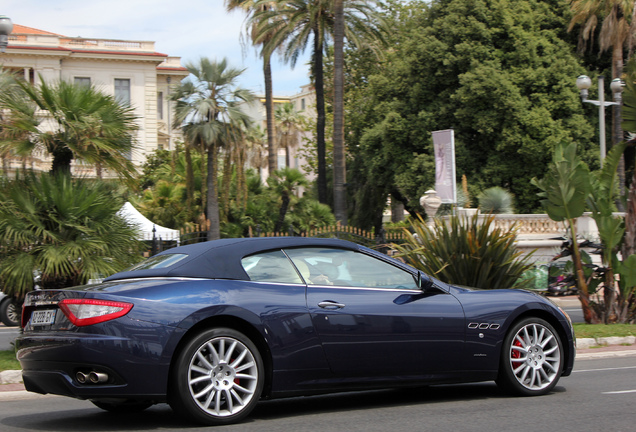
[9,312]
[531,358]
[122,405]
[217,377]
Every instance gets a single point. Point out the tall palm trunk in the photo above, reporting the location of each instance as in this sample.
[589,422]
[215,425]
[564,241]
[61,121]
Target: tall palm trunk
[617,130]
[214,231]
[272,155]
[320,118]
[189,183]
[339,164]
[62,157]
[282,212]
[629,243]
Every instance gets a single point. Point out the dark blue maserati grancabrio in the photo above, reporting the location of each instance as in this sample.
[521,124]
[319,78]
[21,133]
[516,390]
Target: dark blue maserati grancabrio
[214,327]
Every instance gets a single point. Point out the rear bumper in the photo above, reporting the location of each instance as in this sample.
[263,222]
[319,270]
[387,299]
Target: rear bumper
[134,369]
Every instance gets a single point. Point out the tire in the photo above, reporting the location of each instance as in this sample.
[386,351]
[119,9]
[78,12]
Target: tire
[123,406]
[217,378]
[531,358]
[9,313]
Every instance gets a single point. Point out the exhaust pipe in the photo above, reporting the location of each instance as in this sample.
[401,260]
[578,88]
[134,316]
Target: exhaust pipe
[81,377]
[97,377]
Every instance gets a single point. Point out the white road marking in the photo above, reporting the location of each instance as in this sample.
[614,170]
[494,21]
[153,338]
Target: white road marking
[620,392]
[604,369]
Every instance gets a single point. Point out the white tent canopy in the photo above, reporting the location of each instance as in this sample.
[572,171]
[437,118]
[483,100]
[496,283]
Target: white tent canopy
[145,226]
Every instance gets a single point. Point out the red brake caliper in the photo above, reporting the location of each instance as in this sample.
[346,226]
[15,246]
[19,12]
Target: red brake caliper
[516,354]
[236,380]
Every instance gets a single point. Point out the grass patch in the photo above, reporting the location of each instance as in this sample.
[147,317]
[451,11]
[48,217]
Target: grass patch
[604,330]
[8,361]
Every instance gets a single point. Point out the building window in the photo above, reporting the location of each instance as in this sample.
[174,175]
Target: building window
[82,81]
[122,91]
[160,105]
[302,104]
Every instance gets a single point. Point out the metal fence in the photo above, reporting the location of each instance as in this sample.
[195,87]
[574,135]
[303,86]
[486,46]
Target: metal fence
[380,241]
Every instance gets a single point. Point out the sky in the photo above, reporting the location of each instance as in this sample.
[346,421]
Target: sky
[189,29]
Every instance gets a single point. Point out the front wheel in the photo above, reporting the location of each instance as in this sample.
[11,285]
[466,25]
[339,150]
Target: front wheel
[217,377]
[531,358]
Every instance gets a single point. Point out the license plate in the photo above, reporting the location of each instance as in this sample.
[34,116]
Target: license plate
[43,317]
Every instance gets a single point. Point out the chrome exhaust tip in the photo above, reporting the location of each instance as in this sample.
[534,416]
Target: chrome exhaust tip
[81,377]
[97,377]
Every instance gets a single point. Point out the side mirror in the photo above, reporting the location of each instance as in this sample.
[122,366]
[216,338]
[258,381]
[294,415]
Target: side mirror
[423,281]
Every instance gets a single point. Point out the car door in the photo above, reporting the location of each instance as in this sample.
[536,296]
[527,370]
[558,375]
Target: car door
[372,318]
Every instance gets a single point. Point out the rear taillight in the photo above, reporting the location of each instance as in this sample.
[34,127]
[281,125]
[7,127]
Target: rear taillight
[84,312]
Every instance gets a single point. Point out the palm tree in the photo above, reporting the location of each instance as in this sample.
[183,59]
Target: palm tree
[285,182]
[629,124]
[87,125]
[8,85]
[617,28]
[292,24]
[251,7]
[254,144]
[617,33]
[289,122]
[208,110]
[163,204]
[339,166]
[65,230]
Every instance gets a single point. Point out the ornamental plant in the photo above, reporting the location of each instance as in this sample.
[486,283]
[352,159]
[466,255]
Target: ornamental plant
[466,251]
[62,232]
[568,189]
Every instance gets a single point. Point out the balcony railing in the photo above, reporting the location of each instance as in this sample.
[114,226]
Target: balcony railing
[46,40]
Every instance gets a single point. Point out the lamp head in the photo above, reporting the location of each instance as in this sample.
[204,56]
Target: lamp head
[6,27]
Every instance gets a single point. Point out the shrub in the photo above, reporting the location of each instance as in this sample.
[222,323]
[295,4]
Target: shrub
[495,200]
[466,251]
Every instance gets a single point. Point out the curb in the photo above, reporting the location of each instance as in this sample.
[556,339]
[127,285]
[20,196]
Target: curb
[585,343]
[11,377]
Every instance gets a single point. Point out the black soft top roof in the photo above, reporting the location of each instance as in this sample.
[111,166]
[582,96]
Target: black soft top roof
[221,259]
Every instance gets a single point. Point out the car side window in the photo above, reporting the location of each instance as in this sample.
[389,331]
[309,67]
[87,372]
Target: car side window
[270,267]
[338,267]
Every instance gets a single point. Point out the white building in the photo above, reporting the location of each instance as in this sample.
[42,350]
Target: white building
[130,70]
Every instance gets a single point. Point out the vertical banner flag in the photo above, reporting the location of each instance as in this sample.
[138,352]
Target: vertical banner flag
[444,144]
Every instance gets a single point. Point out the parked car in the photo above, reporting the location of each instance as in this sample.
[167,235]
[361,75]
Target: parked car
[214,327]
[9,310]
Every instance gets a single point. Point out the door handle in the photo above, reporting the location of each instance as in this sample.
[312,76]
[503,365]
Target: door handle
[328,304]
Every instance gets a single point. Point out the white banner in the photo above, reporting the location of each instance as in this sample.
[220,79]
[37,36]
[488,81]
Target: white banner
[444,144]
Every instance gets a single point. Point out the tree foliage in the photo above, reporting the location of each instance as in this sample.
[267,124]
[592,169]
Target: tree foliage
[498,72]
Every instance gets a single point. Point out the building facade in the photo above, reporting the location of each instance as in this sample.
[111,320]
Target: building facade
[132,71]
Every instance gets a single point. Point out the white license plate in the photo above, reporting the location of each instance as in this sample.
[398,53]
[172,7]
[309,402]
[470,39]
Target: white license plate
[43,317]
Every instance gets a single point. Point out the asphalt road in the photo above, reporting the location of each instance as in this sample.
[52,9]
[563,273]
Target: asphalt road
[598,396]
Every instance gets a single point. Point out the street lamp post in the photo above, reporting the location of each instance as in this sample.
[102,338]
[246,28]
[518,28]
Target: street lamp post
[6,26]
[583,83]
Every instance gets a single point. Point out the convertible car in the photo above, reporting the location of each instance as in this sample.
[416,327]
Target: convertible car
[212,328]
